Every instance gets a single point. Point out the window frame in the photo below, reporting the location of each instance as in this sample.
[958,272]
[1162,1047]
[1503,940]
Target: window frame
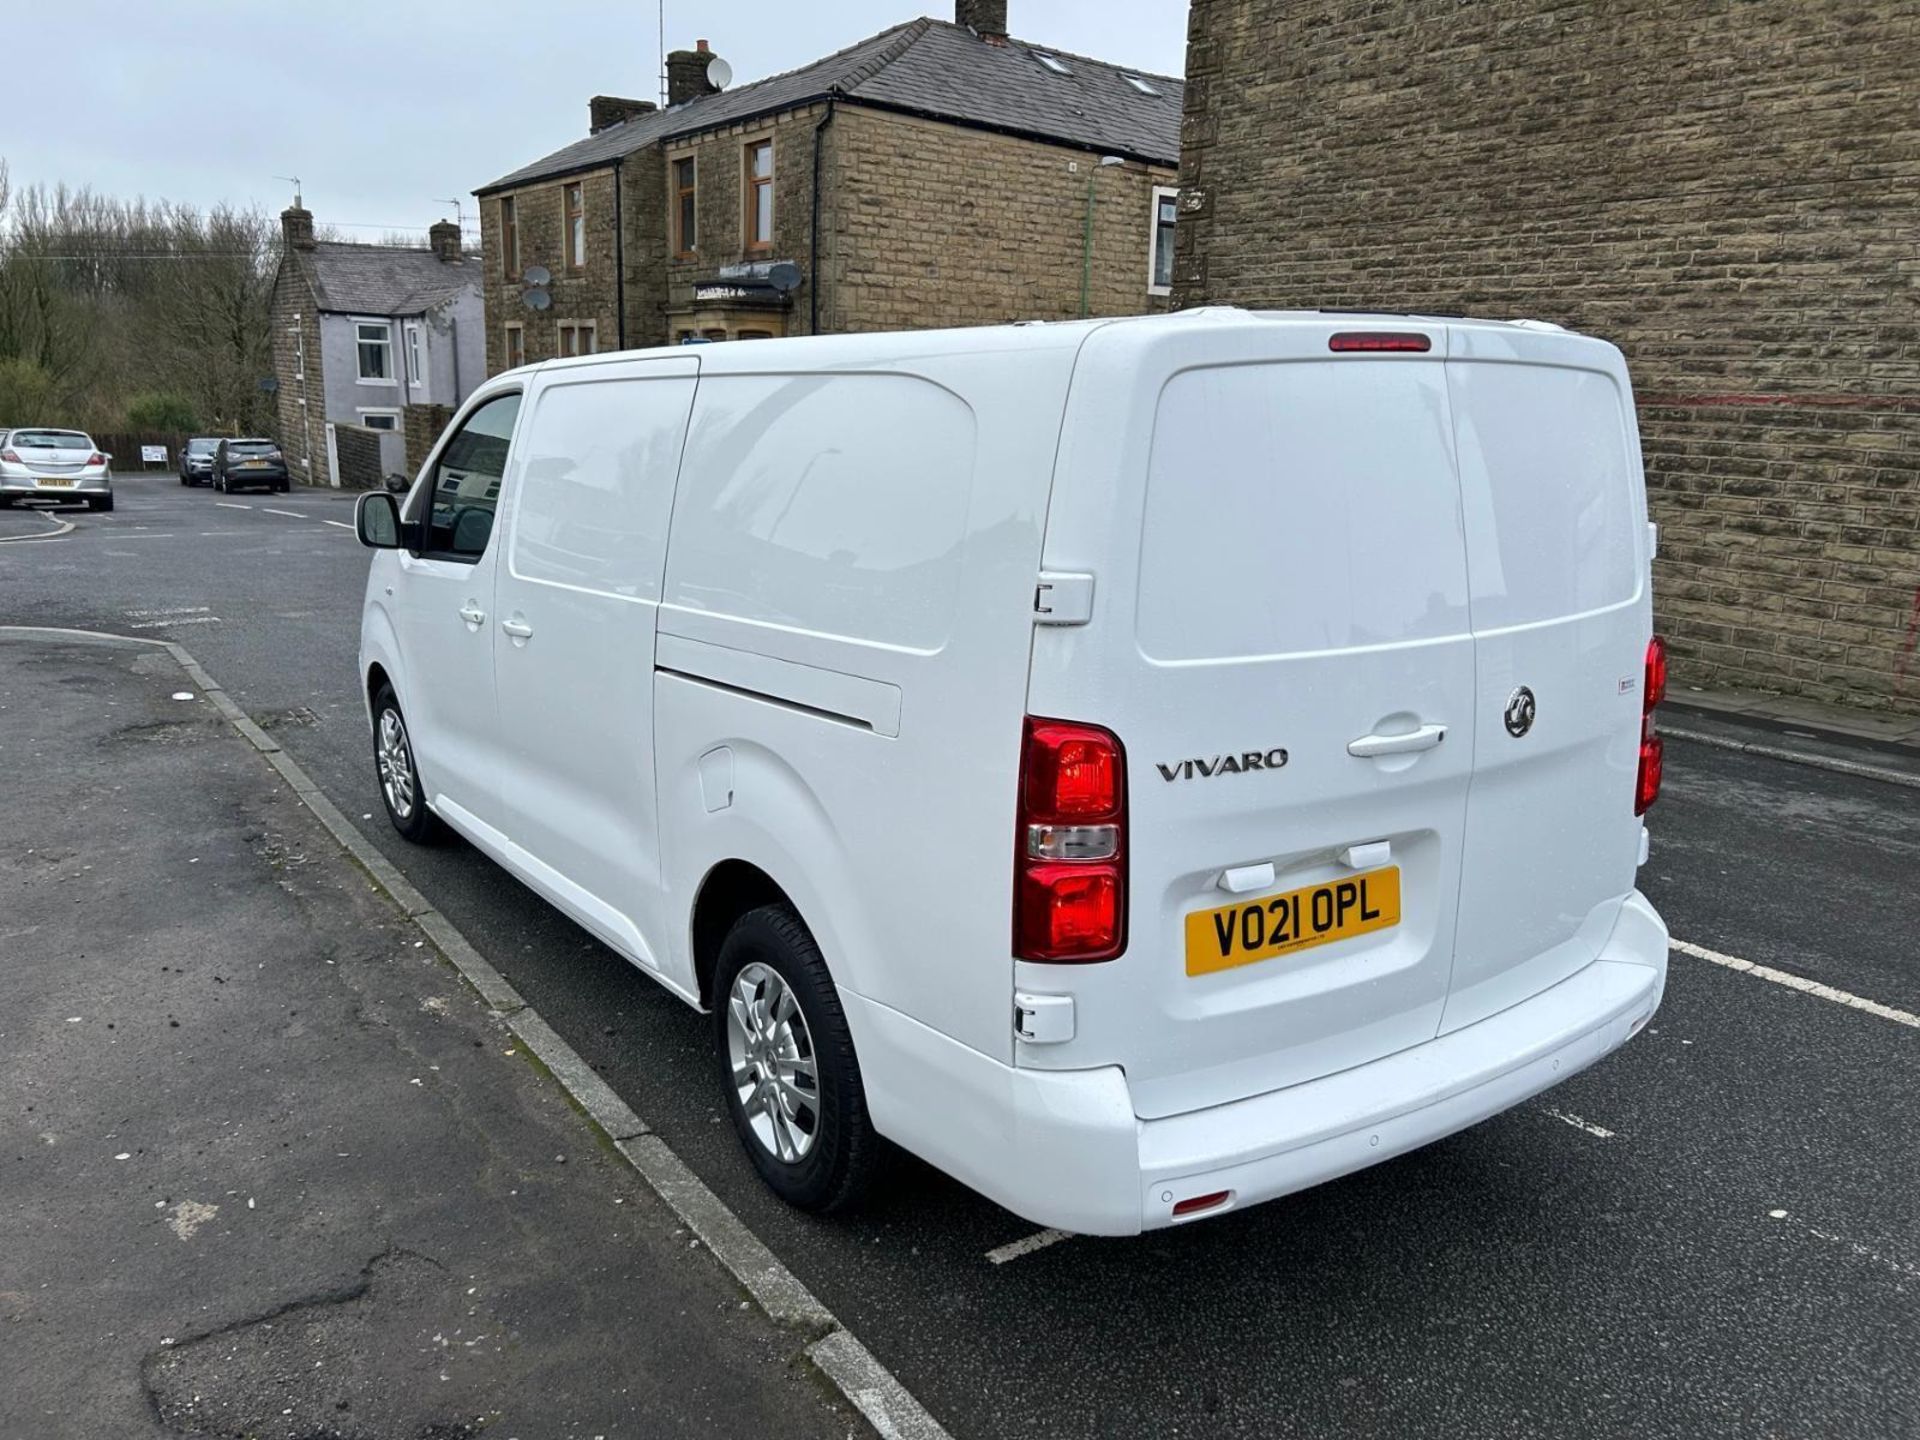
[513,337]
[417,511]
[509,239]
[685,200]
[573,225]
[590,328]
[385,345]
[379,412]
[413,336]
[754,184]
[1160,192]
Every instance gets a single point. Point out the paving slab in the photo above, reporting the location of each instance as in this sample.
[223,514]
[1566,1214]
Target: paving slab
[271,1169]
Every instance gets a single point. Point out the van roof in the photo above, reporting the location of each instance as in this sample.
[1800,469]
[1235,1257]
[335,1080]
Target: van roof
[895,345]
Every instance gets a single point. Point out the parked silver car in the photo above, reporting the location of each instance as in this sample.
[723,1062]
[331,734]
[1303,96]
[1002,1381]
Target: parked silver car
[54,465]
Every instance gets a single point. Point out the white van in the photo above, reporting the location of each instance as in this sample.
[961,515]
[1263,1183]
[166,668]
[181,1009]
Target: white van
[1143,767]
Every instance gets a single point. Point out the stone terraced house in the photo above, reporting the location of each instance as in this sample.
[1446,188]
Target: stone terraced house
[934,174]
[367,337]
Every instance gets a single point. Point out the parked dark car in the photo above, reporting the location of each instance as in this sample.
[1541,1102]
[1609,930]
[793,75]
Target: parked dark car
[196,460]
[250,464]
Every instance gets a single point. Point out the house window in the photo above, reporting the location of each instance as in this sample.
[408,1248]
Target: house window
[1166,211]
[760,195]
[577,337]
[1140,83]
[513,347]
[753,334]
[686,220]
[380,419]
[1053,63]
[509,240]
[374,341]
[416,356]
[574,201]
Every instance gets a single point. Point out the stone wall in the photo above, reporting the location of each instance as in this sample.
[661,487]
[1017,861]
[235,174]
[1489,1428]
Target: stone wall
[358,450]
[1729,191]
[423,425]
[585,294]
[301,429]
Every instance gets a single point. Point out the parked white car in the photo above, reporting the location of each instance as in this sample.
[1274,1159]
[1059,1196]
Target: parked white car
[54,465]
[1143,767]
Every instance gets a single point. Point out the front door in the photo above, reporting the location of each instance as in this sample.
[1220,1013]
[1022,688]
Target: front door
[443,605]
[576,595]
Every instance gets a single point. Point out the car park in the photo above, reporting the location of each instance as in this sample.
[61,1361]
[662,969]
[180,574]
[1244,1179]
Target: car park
[250,465]
[49,464]
[196,460]
[1142,767]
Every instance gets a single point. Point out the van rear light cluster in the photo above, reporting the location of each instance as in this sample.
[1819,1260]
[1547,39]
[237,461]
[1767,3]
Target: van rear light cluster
[1070,856]
[1380,341]
[1653,689]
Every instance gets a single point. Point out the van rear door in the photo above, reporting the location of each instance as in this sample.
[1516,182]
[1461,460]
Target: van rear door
[1280,638]
[1555,509]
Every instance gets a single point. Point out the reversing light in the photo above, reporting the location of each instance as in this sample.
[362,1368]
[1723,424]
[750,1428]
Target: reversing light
[1379,341]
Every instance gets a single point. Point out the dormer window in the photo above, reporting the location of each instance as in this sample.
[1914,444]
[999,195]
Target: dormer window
[1052,62]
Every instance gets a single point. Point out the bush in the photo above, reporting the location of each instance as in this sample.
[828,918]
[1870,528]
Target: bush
[161,412]
[26,394]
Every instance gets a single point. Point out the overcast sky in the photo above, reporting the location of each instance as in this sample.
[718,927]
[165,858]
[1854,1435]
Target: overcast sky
[385,107]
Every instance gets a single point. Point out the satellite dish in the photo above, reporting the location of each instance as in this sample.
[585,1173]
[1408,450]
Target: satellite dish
[537,275]
[784,276]
[719,73]
[537,300]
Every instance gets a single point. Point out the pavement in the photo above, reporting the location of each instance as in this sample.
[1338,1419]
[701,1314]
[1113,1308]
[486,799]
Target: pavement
[271,1169]
[1715,1232]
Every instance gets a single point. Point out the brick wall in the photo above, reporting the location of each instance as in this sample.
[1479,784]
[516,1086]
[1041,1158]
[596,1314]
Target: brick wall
[584,294]
[301,430]
[1726,190]
[358,449]
[940,225]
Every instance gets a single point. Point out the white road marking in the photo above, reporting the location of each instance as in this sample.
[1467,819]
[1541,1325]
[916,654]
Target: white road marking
[177,620]
[1039,1241]
[209,534]
[231,505]
[295,514]
[167,610]
[1887,1262]
[341,523]
[1798,982]
[1597,1131]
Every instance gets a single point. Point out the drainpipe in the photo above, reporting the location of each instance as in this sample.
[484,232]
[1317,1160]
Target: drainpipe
[619,263]
[1086,242]
[813,243]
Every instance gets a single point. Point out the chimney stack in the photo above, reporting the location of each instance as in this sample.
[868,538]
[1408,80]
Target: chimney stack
[687,74]
[986,18]
[606,110]
[444,237]
[296,226]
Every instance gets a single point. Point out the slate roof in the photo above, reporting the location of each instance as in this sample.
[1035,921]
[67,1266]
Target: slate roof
[926,67]
[383,279]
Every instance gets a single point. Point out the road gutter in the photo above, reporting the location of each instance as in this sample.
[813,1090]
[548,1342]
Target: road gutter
[835,1351]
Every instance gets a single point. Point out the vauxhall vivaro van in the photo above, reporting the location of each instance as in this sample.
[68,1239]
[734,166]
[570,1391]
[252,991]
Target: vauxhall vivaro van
[1143,767]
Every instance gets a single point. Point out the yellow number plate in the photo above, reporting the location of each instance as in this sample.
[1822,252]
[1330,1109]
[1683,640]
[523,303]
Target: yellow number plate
[54,484]
[1298,920]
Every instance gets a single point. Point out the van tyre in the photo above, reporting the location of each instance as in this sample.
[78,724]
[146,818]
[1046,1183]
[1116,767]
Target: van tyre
[787,1064]
[401,792]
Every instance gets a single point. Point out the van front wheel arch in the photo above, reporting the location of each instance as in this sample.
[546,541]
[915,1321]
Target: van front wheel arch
[787,1064]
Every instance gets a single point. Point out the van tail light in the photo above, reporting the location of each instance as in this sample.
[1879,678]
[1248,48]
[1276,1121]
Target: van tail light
[1380,342]
[1653,689]
[1070,846]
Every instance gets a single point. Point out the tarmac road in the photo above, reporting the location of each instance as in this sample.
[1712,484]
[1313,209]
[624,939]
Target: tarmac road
[1714,1232]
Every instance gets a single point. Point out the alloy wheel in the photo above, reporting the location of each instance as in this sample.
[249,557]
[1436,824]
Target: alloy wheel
[771,1054]
[395,758]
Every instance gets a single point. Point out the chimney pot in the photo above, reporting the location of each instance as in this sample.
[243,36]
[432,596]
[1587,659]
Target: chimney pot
[296,227]
[701,46]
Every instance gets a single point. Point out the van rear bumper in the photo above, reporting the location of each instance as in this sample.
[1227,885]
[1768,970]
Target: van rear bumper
[1063,1148]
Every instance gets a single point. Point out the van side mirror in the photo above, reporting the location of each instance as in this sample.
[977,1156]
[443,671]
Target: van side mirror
[376,520]
[396,483]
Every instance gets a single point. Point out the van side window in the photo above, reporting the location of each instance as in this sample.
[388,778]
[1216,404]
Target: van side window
[459,500]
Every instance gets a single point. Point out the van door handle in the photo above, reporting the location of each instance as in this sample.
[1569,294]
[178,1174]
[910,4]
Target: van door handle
[473,614]
[1425,738]
[518,629]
